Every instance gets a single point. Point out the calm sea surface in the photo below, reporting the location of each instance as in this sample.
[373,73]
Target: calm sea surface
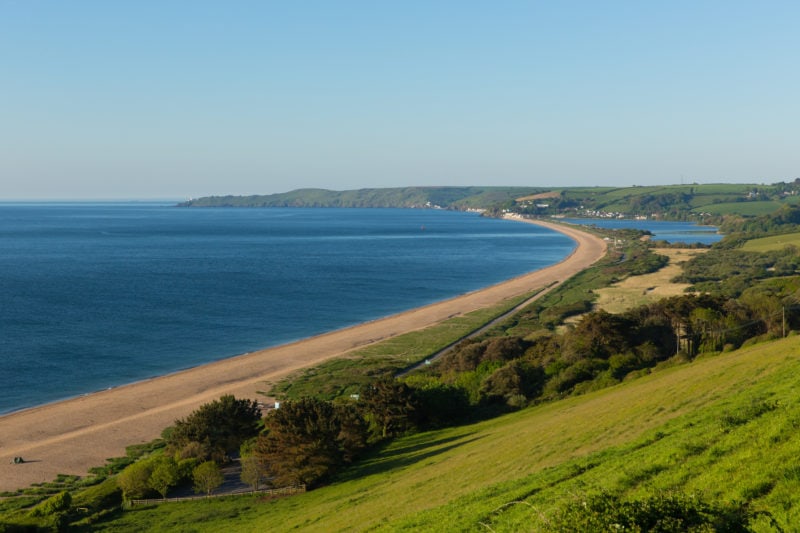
[98,295]
[687,232]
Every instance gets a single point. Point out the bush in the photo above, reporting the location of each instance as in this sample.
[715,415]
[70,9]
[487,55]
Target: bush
[215,429]
[98,500]
[672,512]
[207,477]
[135,480]
[54,504]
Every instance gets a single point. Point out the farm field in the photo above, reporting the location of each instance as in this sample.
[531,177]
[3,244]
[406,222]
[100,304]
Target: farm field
[741,208]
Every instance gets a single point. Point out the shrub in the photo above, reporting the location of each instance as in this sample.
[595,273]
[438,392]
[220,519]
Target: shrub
[134,480]
[54,504]
[670,512]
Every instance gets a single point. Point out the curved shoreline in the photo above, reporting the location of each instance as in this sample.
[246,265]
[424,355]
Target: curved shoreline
[71,436]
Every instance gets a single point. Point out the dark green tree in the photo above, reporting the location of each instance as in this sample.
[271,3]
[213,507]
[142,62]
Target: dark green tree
[353,431]
[388,404]
[216,429]
[439,404]
[301,442]
[513,383]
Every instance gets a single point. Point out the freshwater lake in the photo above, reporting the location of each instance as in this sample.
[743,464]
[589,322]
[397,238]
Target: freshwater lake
[673,232]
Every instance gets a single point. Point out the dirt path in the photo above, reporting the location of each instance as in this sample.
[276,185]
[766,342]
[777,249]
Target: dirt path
[71,436]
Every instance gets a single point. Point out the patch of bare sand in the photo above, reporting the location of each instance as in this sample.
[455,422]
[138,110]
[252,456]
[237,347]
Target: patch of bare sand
[70,437]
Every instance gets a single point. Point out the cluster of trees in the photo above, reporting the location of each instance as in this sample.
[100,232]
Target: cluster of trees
[307,440]
[672,203]
[195,446]
[303,442]
[155,474]
[160,473]
[216,430]
[785,220]
[604,348]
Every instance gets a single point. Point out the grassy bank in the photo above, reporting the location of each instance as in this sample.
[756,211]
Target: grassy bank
[768,244]
[723,426]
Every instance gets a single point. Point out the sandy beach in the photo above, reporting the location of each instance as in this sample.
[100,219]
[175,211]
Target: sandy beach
[71,436]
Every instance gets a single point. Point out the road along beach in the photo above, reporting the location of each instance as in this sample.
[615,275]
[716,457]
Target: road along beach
[71,436]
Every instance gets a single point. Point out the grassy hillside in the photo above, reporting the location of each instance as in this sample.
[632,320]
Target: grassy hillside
[677,201]
[445,197]
[776,242]
[748,209]
[670,201]
[723,426]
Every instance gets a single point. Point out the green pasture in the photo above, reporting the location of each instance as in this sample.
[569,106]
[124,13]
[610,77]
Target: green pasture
[702,201]
[776,242]
[754,208]
[723,427]
[702,196]
[715,189]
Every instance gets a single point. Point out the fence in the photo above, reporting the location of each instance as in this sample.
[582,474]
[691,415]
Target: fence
[283,491]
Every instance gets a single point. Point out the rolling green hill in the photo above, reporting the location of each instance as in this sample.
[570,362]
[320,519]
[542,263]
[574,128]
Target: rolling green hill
[668,201]
[776,242]
[723,428]
[444,197]
[677,201]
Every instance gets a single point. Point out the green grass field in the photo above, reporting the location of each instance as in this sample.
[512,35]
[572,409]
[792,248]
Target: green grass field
[741,208]
[723,426]
[718,198]
[776,242]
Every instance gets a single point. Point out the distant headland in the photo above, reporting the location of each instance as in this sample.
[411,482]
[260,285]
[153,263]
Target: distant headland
[670,202]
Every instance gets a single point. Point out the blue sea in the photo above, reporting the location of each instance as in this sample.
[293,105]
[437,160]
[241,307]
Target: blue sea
[99,295]
[663,230]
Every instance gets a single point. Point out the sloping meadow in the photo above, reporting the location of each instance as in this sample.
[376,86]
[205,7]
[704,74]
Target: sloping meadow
[722,429]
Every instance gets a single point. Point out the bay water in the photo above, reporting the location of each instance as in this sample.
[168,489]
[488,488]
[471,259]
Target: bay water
[95,295]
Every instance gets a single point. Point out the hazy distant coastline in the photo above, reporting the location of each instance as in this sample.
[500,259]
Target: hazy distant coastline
[704,203]
[405,197]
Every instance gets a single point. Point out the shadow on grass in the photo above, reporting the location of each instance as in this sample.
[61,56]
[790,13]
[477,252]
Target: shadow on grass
[382,460]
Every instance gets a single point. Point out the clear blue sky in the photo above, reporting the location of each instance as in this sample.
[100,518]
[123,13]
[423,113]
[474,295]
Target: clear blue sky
[176,99]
